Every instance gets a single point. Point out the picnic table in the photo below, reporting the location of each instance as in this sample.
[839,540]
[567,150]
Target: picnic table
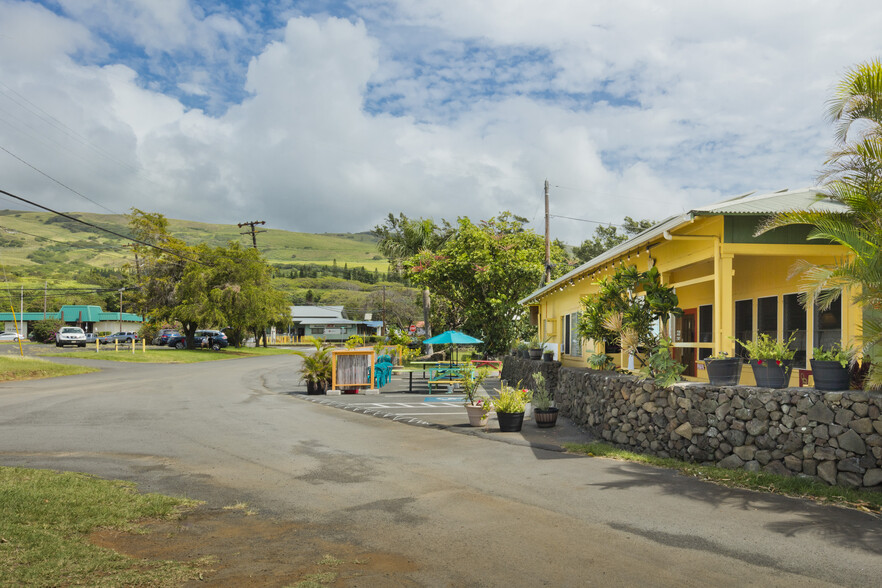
[448,375]
[494,363]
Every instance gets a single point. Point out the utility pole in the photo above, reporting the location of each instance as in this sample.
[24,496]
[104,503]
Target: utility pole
[547,239]
[384,312]
[45,295]
[120,311]
[252,232]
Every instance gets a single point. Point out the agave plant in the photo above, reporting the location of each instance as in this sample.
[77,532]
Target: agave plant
[316,368]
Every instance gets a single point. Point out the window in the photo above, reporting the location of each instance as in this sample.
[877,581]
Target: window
[767,316]
[571,343]
[706,323]
[795,325]
[743,325]
[828,325]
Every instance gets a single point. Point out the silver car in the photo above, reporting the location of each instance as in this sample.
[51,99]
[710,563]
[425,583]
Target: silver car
[9,336]
[70,336]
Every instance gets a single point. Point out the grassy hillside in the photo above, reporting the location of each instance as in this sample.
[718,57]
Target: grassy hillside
[30,239]
[38,249]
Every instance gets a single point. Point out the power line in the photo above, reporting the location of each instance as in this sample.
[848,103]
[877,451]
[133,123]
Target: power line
[94,226]
[62,184]
[585,220]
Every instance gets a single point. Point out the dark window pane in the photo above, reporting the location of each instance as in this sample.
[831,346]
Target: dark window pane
[828,325]
[706,323]
[794,324]
[767,316]
[743,325]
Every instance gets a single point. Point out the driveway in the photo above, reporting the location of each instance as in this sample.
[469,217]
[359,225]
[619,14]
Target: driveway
[430,508]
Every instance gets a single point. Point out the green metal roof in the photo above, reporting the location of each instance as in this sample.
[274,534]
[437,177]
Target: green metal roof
[74,313]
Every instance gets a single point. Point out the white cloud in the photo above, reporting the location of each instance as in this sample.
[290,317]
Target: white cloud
[436,109]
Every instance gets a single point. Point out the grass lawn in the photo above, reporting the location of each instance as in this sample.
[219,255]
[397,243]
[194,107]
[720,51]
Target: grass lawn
[14,368]
[45,519]
[866,501]
[166,355]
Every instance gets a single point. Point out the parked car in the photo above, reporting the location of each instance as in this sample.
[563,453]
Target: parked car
[213,339]
[164,335]
[122,337]
[91,337]
[70,336]
[9,336]
[201,339]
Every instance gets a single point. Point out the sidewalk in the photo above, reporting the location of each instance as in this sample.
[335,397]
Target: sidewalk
[406,399]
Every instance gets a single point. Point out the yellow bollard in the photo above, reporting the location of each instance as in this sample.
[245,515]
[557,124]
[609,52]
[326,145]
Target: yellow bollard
[143,345]
[116,344]
[96,346]
[133,347]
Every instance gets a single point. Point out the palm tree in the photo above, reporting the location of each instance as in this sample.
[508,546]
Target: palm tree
[400,239]
[853,177]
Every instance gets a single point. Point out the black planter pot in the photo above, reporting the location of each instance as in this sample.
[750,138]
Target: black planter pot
[545,418]
[525,354]
[315,388]
[535,353]
[548,356]
[723,372]
[830,375]
[770,373]
[510,422]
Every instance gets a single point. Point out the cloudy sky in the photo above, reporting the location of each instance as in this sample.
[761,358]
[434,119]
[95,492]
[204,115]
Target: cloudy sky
[325,116]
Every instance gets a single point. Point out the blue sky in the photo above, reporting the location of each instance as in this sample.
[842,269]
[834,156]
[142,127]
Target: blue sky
[325,116]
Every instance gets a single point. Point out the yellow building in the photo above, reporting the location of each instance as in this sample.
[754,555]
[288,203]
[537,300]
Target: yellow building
[729,283]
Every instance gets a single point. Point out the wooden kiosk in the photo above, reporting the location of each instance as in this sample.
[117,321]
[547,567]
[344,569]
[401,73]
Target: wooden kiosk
[352,370]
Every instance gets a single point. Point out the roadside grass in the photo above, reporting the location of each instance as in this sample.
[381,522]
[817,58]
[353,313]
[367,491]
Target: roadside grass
[45,521]
[867,501]
[14,368]
[166,355]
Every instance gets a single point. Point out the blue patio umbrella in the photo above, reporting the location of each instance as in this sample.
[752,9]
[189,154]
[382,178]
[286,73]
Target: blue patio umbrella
[452,338]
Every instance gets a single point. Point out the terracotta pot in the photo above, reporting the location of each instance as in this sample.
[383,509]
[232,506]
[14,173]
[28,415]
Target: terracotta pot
[477,416]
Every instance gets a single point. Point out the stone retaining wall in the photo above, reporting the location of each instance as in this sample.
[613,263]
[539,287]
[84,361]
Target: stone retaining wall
[832,436]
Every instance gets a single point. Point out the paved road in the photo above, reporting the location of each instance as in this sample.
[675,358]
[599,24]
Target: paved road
[233,431]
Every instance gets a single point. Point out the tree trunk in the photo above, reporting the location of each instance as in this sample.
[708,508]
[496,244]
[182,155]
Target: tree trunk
[427,311]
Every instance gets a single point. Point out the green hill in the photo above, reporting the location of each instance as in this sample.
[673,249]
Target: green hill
[40,249]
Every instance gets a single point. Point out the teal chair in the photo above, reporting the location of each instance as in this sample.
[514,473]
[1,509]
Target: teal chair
[382,374]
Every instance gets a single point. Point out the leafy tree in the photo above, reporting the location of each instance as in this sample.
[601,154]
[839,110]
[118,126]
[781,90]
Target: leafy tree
[481,271]
[401,238]
[606,238]
[44,331]
[202,286]
[852,176]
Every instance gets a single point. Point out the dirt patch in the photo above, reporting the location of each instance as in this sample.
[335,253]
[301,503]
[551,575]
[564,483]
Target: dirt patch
[254,551]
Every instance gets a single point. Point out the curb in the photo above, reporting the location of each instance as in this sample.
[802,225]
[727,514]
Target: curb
[474,432]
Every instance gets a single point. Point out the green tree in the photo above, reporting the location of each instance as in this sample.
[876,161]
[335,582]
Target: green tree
[401,238]
[607,237]
[481,271]
[853,177]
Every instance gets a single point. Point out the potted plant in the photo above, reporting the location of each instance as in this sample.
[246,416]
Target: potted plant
[548,355]
[537,346]
[544,414]
[477,408]
[316,368]
[723,370]
[830,367]
[524,350]
[772,361]
[510,407]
